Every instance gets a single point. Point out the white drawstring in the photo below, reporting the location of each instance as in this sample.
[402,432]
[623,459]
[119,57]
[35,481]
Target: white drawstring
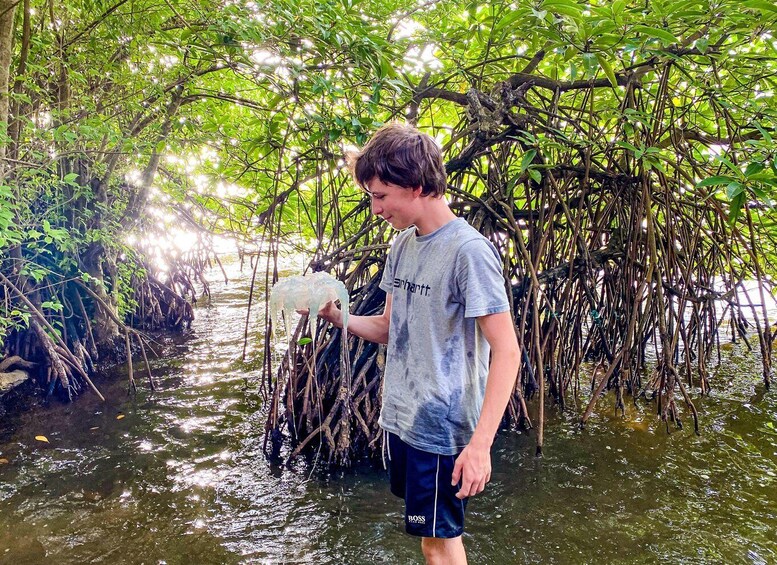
[383,451]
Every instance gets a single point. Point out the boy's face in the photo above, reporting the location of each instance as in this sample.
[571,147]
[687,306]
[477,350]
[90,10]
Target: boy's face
[399,206]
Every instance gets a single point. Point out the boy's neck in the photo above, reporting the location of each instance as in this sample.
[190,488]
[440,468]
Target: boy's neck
[435,215]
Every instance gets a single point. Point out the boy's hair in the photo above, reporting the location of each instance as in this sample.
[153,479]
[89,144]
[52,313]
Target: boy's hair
[401,155]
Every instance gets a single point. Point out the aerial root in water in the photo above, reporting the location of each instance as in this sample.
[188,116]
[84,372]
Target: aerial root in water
[63,361]
[326,394]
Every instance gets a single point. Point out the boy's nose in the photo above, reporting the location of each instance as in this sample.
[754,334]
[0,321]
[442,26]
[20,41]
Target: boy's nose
[377,209]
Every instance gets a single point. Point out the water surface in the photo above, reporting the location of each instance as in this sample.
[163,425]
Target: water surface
[178,476]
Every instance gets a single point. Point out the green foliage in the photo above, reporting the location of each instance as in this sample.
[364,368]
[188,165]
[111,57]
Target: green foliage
[11,320]
[252,109]
[9,234]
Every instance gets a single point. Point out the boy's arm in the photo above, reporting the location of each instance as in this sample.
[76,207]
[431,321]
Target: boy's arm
[371,328]
[473,465]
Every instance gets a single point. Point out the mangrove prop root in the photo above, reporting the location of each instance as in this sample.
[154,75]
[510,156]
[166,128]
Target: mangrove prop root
[59,349]
[611,260]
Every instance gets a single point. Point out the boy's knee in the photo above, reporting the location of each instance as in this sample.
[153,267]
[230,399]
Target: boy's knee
[441,551]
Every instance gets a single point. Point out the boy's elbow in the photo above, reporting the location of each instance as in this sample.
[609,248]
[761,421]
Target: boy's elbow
[385,335]
[386,323]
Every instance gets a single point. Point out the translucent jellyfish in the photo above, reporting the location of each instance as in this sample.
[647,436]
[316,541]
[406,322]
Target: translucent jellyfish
[306,292]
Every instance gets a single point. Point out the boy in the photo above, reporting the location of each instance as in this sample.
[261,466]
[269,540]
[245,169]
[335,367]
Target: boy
[446,308]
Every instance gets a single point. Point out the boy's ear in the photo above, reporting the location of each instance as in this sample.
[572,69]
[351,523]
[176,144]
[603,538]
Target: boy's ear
[417,191]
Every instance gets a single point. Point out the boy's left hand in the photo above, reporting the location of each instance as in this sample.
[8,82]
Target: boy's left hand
[473,468]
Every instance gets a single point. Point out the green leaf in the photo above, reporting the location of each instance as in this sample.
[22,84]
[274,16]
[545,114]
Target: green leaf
[736,208]
[764,133]
[661,34]
[734,189]
[553,4]
[627,145]
[535,175]
[763,5]
[512,182]
[510,19]
[768,178]
[762,195]
[37,274]
[712,181]
[52,305]
[731,166]
[565,7]
[527,159]
[304,341]
[754,168]
[591,63]
[607,70]
[607,40]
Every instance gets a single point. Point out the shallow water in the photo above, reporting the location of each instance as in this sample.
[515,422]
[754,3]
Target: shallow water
[178,476]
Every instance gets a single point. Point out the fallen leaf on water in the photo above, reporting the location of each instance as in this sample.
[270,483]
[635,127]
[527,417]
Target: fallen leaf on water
[3,461]
[120,416]
[42,438]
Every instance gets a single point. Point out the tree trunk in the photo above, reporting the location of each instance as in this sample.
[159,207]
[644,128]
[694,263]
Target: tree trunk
[7,13]
[97,263]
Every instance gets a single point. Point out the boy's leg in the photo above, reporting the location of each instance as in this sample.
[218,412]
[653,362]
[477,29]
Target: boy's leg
[444,551]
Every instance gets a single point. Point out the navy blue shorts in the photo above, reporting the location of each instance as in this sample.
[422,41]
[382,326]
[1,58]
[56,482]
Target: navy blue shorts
[423,480]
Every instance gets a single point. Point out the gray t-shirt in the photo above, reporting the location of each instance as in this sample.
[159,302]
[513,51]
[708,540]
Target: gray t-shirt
[437,358]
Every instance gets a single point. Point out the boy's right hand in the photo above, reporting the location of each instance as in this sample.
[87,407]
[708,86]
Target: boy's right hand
[329,312]
[332,314]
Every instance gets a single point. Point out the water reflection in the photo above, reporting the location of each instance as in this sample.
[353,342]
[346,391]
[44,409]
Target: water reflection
[181,478]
